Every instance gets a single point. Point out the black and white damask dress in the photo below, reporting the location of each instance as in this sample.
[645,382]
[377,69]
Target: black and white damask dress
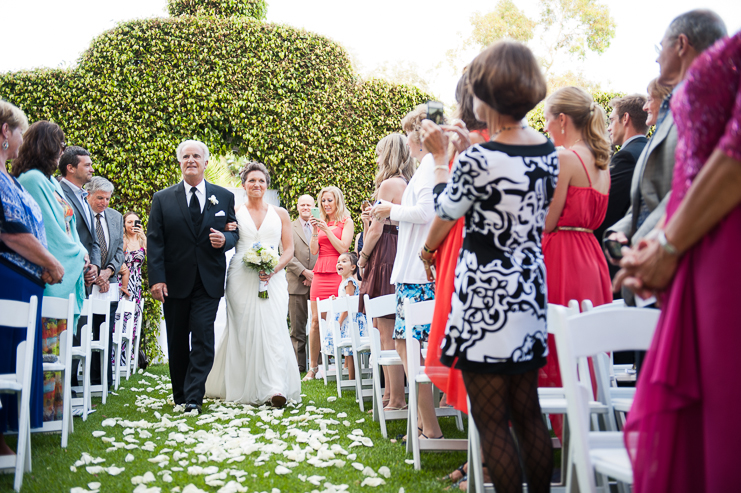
[497,321]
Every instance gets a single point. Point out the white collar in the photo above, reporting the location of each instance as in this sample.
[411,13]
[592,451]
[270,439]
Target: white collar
[631,140]
[201,188]
[74,187]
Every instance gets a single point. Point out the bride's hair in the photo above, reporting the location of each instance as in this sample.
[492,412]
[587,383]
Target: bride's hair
[254,166]
[339,199]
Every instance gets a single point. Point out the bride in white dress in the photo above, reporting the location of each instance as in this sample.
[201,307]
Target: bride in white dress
[254,361]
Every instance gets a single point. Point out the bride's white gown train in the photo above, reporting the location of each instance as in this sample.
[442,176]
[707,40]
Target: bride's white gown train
[254,359]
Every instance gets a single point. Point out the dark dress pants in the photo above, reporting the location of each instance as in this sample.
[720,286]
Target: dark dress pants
[298,311]
[95,372]
[192,317]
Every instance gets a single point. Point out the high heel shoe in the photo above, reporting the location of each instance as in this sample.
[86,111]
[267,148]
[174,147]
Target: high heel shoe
[311,374]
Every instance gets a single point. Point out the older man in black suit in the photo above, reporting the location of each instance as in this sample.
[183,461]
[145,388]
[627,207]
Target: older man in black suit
[628,130]
[187,241]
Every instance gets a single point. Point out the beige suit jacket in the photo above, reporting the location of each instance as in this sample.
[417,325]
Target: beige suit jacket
[302,259]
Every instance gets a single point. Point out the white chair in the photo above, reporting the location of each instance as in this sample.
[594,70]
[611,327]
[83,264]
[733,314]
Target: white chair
[61,309]
[101,345]
[82,353]
[123,332]
[376,308]
[590,334]
[138,335]
[328,370]
[339,305]
[418,314]
[361,352]
[16,314]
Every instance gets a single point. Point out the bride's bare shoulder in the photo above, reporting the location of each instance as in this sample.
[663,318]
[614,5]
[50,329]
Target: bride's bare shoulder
[283,214]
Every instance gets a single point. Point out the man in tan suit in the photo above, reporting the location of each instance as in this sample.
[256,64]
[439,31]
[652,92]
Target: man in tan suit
[299,274]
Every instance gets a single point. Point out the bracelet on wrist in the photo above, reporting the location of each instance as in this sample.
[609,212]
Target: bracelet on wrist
[427,249]
[365,256]
[664,242]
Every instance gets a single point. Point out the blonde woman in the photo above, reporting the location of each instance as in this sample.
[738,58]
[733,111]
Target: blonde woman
[395,169]
[331,235]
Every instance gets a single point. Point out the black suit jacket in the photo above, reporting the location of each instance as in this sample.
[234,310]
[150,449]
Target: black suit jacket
[85,230]
[622,165]
[176,251]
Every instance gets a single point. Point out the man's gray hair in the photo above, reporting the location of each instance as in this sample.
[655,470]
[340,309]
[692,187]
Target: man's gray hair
[702,27]
[185,143]
[99,184]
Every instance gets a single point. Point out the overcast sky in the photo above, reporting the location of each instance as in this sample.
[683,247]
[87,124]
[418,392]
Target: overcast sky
[53,33]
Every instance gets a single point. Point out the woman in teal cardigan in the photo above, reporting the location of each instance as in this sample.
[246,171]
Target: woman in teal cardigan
[37,159]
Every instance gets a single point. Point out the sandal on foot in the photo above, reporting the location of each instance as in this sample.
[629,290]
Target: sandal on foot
[422,435]
[404,408]
[453,476]
[455,486]
[311,374]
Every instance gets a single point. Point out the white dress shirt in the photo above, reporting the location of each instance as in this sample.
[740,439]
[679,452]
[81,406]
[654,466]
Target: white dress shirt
[414,214]
[82,197]
[200,193]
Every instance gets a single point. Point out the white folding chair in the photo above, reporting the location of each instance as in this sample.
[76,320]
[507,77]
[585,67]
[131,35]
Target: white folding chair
[590,334]
[418,314]
[376,308]
[552,401]
[361,352]
[138,336]
[17,315]
[339,305]
[123,332]
[101,345]
[328,370]
[61,309]
[82,353]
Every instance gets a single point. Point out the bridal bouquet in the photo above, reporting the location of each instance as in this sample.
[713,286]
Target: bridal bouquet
[261,258]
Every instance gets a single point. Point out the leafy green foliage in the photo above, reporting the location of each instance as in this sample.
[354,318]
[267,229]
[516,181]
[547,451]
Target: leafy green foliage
[506,21]
[257,9]
[274,94]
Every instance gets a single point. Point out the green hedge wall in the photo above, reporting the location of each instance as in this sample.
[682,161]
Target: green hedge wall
[273,93]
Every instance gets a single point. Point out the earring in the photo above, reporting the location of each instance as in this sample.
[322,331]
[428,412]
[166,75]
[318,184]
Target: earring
[5,145]
[562,131]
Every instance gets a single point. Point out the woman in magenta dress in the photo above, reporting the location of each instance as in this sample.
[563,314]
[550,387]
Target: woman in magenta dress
[331,236]
[682,432]
[575,265]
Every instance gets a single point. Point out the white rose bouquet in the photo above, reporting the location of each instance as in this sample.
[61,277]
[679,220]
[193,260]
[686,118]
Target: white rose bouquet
[261,258]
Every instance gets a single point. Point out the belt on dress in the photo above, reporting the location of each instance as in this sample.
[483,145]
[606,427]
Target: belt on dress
[574,228]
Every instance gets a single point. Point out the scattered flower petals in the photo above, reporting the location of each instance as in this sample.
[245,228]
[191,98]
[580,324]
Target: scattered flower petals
[98,434]
[372,482]
[384,471]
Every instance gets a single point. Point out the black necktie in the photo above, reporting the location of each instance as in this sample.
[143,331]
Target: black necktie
[195,209]
[101,241]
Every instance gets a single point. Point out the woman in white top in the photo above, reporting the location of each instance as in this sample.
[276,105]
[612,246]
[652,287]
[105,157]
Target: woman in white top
[414,215]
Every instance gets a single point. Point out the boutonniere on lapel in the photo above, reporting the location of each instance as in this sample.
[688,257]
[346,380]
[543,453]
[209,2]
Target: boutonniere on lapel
[213,200]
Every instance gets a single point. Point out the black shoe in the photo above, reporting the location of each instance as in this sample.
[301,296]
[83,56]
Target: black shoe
[191,406]
[278,400]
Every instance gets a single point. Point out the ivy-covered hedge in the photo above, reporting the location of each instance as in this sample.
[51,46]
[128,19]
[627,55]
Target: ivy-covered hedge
[273,93]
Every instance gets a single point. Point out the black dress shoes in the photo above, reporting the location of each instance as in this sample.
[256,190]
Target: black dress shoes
[191,406]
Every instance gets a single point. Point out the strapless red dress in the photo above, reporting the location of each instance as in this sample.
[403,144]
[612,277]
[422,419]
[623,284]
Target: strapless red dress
[326,279]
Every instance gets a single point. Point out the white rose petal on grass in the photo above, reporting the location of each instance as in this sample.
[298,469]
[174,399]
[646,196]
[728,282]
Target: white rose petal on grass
[147,478]
[282,470]
[144,489]
[95,469]
[384,471]
[372,482]
[331,398]
[368,471]
[94,486]
[232,487]
[115,471]
[352,456]
[129,458]
[358,466]
[401,490]
[73,468]
[78,489]
[109,422]
[346,423]
[98,434]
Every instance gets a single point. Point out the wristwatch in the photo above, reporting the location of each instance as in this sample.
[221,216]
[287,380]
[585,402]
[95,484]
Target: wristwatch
[668,247]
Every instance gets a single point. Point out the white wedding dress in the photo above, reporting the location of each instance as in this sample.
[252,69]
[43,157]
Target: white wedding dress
[254,359]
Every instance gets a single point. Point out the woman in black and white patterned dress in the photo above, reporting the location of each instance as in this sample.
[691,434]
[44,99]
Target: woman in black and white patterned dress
[496,333]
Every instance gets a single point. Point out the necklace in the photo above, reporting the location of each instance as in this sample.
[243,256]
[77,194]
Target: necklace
[506,129]
[572,145]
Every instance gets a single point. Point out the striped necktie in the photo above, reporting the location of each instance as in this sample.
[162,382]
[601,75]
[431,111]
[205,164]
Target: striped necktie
[101,241]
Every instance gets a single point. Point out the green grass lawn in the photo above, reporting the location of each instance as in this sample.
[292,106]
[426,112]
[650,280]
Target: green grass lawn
[203,445]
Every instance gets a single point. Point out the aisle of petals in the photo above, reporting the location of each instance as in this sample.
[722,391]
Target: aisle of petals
[230,447]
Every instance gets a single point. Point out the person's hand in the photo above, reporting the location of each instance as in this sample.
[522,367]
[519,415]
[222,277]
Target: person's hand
[217,238]
[308,274]
[381,211]
[647,268]
[620,238]
[265,277]
[458,135]
[137,230]
[306,282]
[159,291]
[53,273]
[124,291]
[124,270]
[231,226]
[365,216]
[91,275]
[433,138]
[362,262]
[428,260]
[103,280]
[319,224]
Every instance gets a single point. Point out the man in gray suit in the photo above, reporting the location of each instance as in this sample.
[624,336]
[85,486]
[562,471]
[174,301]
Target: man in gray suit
[76,168]
[299,275]
[108,226]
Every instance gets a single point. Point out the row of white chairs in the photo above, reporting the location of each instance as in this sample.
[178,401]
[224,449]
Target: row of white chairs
[14,314]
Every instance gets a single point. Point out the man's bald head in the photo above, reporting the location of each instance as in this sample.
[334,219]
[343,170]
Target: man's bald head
[304,205]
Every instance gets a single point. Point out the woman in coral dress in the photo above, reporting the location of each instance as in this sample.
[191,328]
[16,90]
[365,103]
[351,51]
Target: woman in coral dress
[331,236]
[576,268]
